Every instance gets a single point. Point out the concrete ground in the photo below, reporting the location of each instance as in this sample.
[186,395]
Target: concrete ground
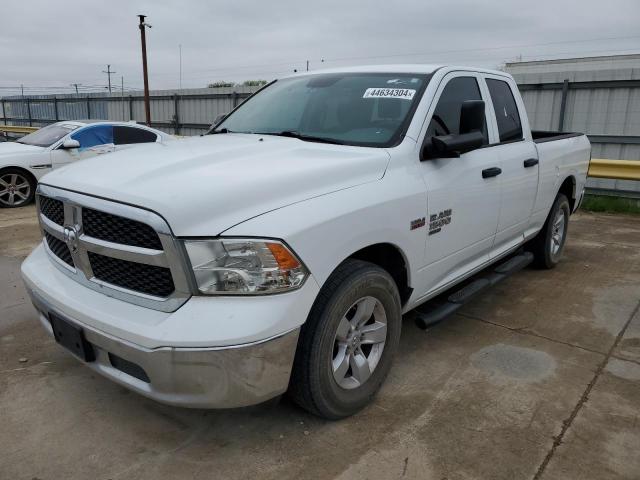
[539,379]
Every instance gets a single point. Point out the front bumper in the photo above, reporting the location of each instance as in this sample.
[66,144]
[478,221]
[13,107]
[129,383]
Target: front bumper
[210,353]
[223,377]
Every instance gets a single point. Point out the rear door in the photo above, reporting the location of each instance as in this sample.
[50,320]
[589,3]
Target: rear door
[463,203]
[519,162]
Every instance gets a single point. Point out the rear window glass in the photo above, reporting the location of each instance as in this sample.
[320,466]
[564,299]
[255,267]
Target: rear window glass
[507,114]
[129,135]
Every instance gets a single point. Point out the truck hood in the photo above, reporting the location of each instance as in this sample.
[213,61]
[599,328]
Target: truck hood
[205,185]
[15,148]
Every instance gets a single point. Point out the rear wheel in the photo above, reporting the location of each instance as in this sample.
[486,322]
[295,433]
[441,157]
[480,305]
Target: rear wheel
[347,345]
[548,245]
[17,188]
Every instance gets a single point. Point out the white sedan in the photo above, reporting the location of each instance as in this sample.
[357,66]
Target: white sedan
[22,163]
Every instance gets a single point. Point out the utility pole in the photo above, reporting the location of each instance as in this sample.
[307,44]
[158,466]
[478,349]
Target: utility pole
[122,95]
[109,72]
[307,65]
[180,48]
[76,85]
[147,106]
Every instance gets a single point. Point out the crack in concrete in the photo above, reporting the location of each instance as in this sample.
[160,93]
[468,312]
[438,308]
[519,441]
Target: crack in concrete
[557,441]
[523,331]
[622,359]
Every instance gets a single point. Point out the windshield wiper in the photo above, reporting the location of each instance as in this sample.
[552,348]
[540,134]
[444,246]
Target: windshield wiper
[299,136]
[222,130]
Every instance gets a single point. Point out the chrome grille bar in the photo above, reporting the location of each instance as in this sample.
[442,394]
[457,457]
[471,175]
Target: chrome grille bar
[72,233]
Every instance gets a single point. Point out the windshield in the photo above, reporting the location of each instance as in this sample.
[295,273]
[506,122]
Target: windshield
[47,136]
[369,109]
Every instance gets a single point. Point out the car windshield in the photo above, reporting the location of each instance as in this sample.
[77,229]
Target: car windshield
[47,136]
[365,109]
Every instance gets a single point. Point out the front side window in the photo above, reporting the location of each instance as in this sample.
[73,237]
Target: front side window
[507,115]
[446,117]
[365,109]
[94,135]
[129,135]
[47,136]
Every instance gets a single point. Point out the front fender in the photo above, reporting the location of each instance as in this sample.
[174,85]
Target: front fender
[326,230]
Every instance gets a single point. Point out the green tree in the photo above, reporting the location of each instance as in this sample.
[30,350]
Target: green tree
[254,83]
[221,84]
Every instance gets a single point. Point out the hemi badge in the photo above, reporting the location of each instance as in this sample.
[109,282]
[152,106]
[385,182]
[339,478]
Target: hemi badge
[418,223]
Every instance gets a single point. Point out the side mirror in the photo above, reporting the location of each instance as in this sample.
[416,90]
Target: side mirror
[69,143]
[472,134]
[454,145]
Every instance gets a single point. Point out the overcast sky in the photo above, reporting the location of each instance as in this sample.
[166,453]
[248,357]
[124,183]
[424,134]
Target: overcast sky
[46,43]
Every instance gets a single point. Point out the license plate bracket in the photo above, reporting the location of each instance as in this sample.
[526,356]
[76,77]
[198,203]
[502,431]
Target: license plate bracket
[71,337]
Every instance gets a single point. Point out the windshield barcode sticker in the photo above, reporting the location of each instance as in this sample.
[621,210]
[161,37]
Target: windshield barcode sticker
[405,93]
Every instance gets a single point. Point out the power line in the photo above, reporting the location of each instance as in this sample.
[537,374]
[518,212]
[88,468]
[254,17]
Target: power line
[236,68]
[252,70]
[499,58]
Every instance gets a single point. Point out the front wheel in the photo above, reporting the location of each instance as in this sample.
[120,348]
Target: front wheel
[347,345]
[548,245]
[17,188]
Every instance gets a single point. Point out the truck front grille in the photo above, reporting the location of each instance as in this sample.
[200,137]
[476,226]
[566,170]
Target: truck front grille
[52,209]
[120,250]
[116,229]
[147,279]
[59,249]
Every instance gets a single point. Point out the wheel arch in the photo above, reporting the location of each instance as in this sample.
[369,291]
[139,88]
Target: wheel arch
[22,169]
[568,188]
[393,260]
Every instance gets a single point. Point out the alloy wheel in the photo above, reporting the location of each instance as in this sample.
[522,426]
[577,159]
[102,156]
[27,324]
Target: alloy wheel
[15,189]
[359,342]
[557,231]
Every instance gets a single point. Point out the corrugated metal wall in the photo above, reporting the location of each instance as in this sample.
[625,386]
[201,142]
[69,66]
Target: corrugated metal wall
[603,101]
[196,108]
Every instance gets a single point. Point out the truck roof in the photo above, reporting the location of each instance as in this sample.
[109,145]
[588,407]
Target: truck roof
[417,68]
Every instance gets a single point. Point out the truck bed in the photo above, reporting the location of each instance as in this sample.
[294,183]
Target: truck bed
[541,136]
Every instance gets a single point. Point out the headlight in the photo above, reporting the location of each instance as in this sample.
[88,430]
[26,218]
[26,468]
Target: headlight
[244,266]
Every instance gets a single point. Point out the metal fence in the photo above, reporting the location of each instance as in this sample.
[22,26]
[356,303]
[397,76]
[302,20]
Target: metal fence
[181,112]
[596,96]
[607,110]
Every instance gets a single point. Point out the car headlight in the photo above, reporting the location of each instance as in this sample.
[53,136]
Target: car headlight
[244,266]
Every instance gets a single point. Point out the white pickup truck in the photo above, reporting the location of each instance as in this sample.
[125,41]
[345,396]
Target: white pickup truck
[280,252]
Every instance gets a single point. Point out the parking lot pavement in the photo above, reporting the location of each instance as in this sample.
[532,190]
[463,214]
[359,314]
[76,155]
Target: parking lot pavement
[540,378]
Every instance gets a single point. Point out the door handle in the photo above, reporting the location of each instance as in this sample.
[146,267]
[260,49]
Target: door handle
[491,172]
[530,162]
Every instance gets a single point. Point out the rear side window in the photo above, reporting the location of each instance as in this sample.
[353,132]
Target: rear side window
[129,135]
[507,115]
[446,117]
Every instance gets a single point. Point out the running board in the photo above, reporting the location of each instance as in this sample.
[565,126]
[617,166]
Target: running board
[429,313]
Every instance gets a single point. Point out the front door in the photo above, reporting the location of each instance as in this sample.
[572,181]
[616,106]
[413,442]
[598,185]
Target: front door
[463,193]
[94,140]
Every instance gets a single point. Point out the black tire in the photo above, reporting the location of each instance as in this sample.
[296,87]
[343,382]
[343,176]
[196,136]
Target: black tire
[8,188]
[541,246]
[312,384]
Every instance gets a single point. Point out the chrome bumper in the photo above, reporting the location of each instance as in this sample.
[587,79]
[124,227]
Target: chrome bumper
[221,377]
